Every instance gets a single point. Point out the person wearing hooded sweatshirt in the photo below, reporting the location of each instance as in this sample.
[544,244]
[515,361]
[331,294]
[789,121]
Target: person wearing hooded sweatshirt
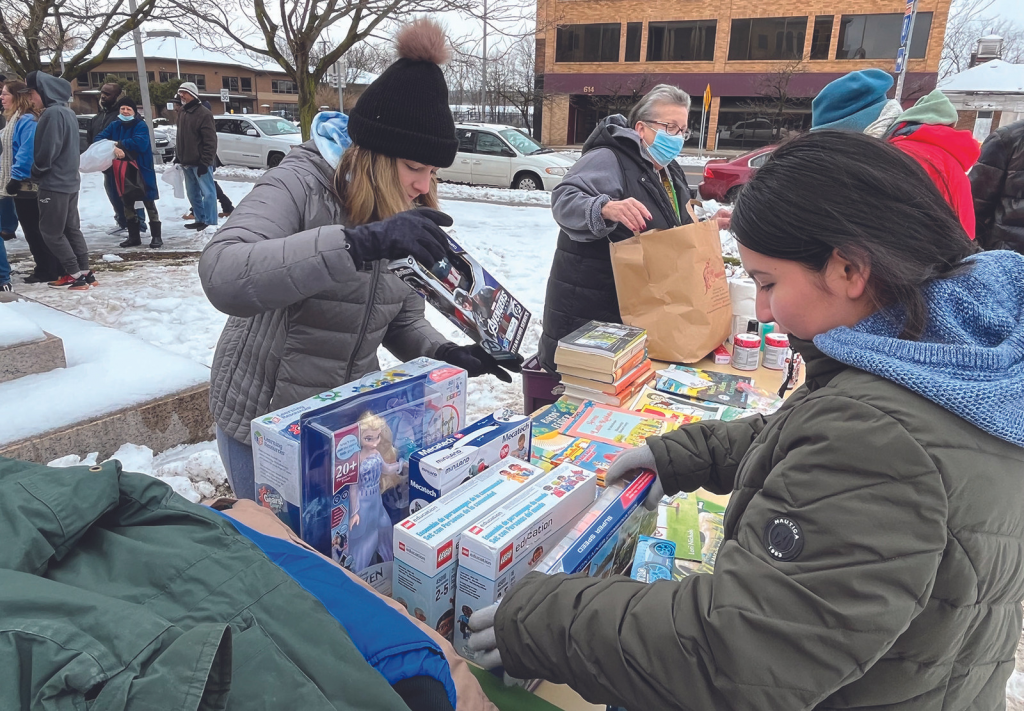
[55,168]
[131,136]
[196,150]
[301,266]
[873,551]
[626,181]
[858,102]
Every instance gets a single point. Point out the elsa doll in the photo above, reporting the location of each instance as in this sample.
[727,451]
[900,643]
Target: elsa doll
[371,526]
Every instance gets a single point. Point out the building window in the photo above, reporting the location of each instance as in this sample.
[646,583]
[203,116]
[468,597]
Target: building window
[230,83]
[282,86]
[633,32]
[588,43]
[822,37]
[247,85]
[96,79]
[878,36]
[766,38]
[681,41]
[288,111]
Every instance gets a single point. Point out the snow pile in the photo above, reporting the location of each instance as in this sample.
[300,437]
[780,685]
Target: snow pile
[692,160]
[478,193]
[194,471]
[225,172]
[1015,692]
[111,258]
[15,329]
[106,371]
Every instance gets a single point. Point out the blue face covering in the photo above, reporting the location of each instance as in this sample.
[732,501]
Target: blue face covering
[665,148]
[126,118]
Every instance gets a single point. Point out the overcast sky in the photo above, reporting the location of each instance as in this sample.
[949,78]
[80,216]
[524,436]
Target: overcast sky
[1012,9]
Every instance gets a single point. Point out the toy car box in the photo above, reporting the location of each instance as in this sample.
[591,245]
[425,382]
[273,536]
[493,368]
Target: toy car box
[275,437]
[471,298]
[436,470]
[426,544]
[654,560]
[604,540]
[355,452]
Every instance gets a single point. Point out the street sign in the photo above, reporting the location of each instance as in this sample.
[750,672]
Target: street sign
[905,29]
[707,98]
[225,96]
[901,58]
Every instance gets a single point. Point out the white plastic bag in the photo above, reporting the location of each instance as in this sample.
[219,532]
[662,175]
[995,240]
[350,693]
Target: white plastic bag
[98,157]
[174,175]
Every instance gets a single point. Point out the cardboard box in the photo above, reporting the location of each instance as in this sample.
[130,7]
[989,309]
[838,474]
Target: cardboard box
[501,538]
[469,297]
[442,467]
[604,540]
[475,591]
[426,543]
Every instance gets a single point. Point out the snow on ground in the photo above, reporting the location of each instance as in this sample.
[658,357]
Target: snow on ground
[15,329]
[480,193]
[227,172]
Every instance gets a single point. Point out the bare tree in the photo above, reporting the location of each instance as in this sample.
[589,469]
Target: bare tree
[71,35]
[290,32]
[773,94]
[969,20]
[512,80]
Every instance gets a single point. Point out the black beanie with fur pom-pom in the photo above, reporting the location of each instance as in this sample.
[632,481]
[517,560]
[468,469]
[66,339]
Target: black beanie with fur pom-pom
[404,113]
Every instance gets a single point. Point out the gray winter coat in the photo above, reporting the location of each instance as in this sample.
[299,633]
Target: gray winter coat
[304,318]
[56,158]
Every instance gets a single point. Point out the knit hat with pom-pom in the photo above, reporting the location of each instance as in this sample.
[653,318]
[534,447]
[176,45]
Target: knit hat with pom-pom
[405,112]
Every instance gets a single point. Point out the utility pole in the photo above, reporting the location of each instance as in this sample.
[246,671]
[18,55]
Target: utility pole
[341,67]
[483,64]
[140,63]
[60,36]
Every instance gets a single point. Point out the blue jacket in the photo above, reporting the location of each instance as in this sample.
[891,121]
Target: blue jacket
[22,147]
[133,136]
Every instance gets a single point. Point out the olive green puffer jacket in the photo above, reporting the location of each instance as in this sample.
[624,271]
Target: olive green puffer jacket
[873,559]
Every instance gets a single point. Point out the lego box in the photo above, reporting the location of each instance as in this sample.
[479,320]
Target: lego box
[471,298]
[436,470]
[500,539]
[426,544]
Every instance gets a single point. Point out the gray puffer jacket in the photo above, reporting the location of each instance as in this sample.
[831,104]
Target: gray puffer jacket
[304,318]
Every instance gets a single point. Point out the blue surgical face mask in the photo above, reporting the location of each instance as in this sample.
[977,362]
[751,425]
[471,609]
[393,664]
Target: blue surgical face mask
[665,148]
[126,118]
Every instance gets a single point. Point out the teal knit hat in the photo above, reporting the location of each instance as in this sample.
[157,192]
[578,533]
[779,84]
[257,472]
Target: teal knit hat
[852,102]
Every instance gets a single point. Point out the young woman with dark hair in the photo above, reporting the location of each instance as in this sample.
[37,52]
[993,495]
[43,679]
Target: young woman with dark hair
[873,550]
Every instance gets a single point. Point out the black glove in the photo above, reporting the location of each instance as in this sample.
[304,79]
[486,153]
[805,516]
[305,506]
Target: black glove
[413,233]
[201,170]
[476,361]
[13,187]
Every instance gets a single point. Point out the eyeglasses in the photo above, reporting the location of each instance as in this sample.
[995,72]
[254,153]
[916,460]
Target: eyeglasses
[672,129]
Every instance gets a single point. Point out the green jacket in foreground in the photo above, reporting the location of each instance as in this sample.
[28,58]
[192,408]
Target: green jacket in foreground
[118,594]
[905,595]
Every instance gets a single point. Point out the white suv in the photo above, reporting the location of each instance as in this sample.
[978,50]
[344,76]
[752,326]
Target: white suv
[254,141]
[504,157]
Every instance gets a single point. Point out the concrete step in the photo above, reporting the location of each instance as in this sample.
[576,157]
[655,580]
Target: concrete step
[31,358]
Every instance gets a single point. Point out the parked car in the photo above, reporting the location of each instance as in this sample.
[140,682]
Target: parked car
[164,140]
[504,157]
[723,179]
[254,141]
[753,130]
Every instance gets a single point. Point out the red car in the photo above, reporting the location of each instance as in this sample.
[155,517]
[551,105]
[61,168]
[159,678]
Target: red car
[724,178]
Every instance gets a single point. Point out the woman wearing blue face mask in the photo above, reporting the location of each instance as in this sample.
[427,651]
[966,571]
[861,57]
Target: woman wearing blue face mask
[626,181]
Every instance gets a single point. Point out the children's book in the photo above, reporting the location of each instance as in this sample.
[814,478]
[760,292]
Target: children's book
[612,425]
[703,385]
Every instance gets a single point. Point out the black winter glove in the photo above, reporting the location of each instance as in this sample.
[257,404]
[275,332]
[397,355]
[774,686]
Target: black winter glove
[202,170]
[13,187]
[476,361]
[413,233]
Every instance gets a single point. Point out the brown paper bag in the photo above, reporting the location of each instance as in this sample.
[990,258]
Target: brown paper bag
[672,283]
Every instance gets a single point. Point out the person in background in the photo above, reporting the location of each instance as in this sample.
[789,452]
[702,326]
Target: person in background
[858,102]
[55,168]
[626,181]
[997,184]
[300,268]
[131,136]
[18,141]
[8,214]
[873,550]
[106,113]
[196,151]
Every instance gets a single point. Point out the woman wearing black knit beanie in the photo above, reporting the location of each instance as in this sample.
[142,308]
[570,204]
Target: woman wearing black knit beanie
[300,266]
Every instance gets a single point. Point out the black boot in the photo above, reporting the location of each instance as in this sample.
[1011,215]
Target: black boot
[155,230]
[134,235]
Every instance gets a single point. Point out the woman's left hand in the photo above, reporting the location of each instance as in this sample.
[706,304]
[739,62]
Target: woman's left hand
[723,217]
[118,153]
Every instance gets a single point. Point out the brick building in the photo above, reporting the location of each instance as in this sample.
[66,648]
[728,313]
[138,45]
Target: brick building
[763,61]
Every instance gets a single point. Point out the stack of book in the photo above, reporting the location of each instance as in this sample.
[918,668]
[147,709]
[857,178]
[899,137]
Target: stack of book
[604,362]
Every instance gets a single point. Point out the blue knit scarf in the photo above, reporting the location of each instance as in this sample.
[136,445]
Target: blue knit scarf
[970,358]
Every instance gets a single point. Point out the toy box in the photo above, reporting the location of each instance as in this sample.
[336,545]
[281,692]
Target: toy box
[475,591]
[593,456]
[355,452]
[469,297]
[604,540]
[276,446]
[436,470]
[654,559]
[426,544]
